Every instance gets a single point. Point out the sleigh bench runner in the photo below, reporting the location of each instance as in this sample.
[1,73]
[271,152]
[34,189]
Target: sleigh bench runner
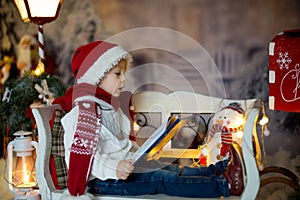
[146,104]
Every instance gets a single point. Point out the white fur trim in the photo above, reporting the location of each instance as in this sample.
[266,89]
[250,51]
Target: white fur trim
[94,99]
[103,64]
[67,196]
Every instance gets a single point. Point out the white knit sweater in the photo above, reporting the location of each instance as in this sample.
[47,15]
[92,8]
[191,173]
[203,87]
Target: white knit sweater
[114,144]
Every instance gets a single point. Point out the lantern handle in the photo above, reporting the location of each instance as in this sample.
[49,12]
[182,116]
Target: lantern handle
[10,164]
[35,144]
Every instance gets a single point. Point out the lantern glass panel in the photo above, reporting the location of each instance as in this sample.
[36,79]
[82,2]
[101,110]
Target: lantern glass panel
[22,10]
[45,8]
[23,174]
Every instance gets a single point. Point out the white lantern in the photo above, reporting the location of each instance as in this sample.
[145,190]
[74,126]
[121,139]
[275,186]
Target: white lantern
[20,167]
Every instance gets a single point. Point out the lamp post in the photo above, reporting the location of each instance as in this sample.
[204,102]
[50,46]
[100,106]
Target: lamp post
[39,12]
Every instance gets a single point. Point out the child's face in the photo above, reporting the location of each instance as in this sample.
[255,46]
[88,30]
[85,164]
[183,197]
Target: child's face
[114,81]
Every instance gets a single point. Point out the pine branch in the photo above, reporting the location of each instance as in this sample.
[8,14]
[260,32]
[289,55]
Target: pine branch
[16,115]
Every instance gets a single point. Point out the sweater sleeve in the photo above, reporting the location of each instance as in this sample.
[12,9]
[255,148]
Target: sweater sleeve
[105,168]
[111,151]
[107,159]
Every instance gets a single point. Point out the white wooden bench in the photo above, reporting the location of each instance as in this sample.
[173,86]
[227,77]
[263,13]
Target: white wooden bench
[164,104]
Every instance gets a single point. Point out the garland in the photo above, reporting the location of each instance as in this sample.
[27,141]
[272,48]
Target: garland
[18,94]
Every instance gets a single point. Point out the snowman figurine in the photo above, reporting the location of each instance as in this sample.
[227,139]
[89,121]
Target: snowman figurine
[226,127]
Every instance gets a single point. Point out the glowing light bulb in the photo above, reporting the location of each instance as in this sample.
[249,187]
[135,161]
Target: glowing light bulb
[39,69]
[266,131]
[239,134]
[264,120]
[240,121]
[136,127]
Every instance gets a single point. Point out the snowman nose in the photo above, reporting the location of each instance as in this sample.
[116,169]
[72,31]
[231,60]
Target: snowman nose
[219,121]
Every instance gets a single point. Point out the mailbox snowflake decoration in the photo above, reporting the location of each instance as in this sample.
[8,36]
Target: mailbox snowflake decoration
[284,71]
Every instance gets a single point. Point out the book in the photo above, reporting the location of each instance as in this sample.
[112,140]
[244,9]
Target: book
[161,136]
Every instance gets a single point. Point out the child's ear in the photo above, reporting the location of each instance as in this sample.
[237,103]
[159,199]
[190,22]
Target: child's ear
[123,65]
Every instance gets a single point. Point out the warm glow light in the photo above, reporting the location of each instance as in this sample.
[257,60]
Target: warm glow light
[24,175]
[22,9]
[239,121]
[266,131]
[38,11]
[136,127]
[264,120]
[43,8]
[39,69]
[239,134]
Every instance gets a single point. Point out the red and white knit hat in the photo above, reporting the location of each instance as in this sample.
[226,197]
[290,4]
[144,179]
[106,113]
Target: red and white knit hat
[92,61]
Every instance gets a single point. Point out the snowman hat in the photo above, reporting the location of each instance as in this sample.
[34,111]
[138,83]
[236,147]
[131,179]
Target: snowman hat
[236,107]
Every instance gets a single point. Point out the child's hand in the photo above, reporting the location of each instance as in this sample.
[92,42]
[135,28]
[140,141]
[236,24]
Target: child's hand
[124,168]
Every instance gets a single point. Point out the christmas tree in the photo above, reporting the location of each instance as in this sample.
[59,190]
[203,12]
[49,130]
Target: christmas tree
[19,94]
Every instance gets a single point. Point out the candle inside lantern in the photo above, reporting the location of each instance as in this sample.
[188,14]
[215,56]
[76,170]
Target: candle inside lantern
[24,174]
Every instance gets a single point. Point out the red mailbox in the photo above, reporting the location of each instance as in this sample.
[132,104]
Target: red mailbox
[284,71]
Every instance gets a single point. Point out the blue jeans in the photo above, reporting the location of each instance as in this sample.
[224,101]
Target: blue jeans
[171,180]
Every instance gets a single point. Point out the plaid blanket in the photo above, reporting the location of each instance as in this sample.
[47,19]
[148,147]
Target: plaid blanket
[58,150]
